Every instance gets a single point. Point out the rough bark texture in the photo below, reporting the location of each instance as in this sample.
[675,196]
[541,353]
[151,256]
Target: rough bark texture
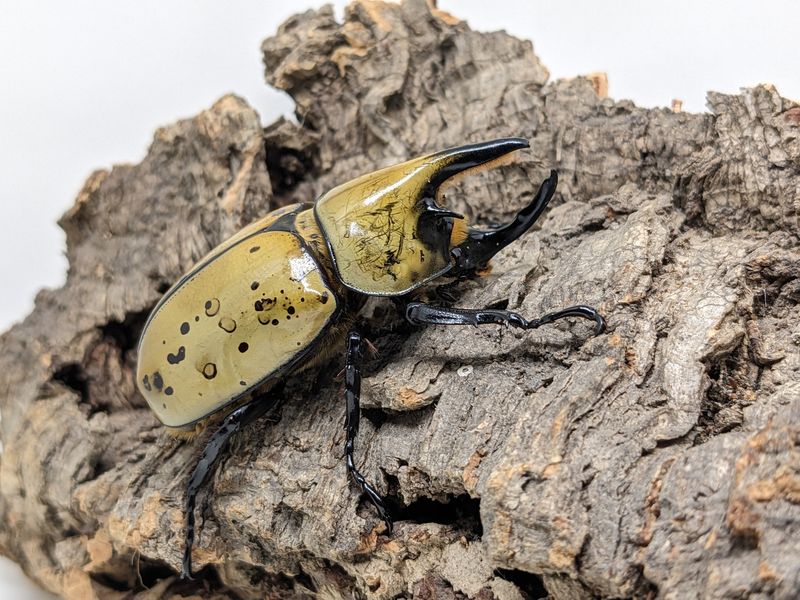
[659,459]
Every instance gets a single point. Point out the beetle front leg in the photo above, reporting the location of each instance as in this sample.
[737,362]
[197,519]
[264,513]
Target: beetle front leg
[418,313]
[352,393]
[233,423]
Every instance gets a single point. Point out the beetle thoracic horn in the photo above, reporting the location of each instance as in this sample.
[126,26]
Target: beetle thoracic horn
[456,160]
[480,246]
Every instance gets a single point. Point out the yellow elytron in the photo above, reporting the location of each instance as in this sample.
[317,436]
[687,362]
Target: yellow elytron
[278,296]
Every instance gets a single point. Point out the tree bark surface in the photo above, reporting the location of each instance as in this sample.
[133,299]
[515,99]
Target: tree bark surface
[660,459]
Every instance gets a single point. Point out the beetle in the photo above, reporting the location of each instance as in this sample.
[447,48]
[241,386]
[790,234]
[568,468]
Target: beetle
[282,294]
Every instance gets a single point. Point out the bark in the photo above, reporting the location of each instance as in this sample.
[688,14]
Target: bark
[660,459]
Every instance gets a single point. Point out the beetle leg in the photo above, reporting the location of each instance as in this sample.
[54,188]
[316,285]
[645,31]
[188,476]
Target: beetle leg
[422,314]
[234,422]
[352,393]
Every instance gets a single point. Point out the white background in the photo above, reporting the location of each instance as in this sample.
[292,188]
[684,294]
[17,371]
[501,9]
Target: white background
[84,84]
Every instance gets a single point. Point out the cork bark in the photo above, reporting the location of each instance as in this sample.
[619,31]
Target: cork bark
[660,459]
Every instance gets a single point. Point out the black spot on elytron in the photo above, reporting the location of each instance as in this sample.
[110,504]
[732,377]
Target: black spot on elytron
[168,391]
[255,249]
[164,404]
[259,306]
[290,310]
[174,359]
[184,328]
[242,383]
[196,318]
[275,321]
[163,342]
[302,299]
[212,307]
[146,383]
[254,286]
[158,382]
[243,347]
[324,298]
[288,317]
[298,343]
[209,371]
[227,324]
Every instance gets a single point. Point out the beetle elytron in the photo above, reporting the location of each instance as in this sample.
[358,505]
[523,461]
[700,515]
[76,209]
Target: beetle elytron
[281,294]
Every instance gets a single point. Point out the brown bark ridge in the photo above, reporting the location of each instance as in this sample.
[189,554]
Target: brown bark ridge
[658,460]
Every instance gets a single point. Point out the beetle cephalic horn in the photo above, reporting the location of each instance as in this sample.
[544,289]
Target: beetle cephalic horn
[480,246]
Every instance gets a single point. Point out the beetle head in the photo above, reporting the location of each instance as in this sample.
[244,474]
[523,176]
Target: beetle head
[385,231]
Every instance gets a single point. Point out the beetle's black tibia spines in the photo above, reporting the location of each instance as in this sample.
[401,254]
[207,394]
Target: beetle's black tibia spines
[480,246]
[233,423]
[352,392]
[418,313]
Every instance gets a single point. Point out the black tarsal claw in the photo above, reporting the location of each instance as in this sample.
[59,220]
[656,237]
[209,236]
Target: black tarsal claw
[601,324]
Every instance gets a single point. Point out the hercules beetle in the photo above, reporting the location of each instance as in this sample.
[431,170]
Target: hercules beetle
[280,295]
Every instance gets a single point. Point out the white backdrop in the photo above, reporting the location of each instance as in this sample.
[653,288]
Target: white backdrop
[83,85]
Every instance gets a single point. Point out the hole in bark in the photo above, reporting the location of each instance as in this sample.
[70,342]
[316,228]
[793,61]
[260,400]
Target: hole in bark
[744,540]
[125,334]
[461,511]
[110,582]
[375,416]
[305,580]
[530,585]
[286,168]
[102,464]
[206,584]
[731,387]
[151,572]
[499,305]
[74,377]
[593,226]
[394,102]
